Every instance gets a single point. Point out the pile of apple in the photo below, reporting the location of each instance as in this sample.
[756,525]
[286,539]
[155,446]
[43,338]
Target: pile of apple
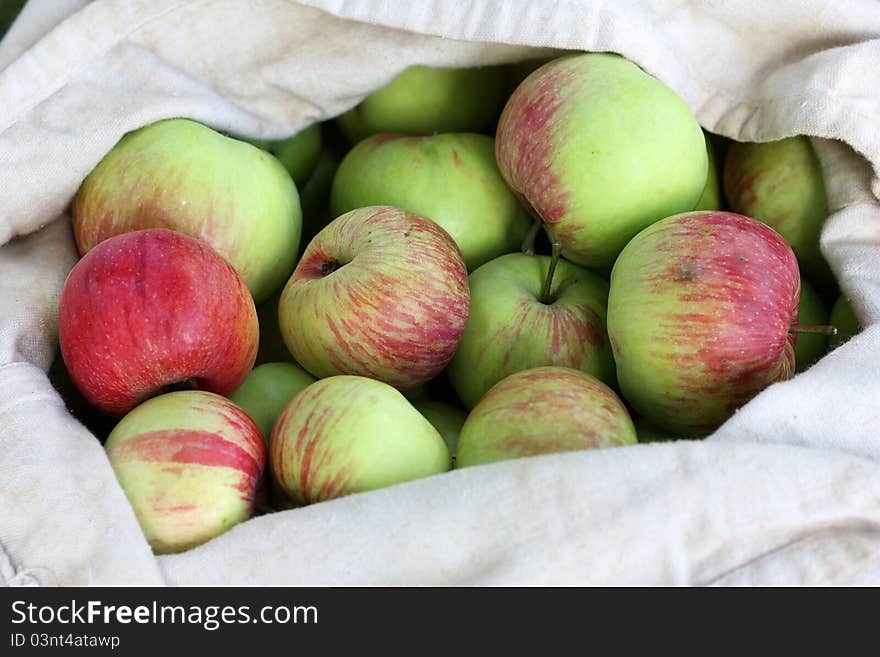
[431,321]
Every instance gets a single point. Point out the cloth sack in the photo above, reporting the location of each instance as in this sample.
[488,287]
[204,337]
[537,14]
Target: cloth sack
[786,492]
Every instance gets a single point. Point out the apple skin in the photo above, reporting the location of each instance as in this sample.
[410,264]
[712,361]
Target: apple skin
[191,465]
[350,434]
[379,292]
[699,313]
[452,179]
[810,347]
[781,184]
[425,100]
[844,320]
[711,198]
[298,154]
[542,411]
[267,389]
[182,175]
[150,309]
[509,329]
[599,149]
[445,418]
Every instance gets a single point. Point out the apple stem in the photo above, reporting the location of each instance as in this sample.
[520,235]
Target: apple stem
[546,296]
[528,244]
[823,329]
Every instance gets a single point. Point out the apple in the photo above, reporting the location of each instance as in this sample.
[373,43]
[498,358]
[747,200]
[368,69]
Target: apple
[711,198]
[452,179]
[651,433]
[781,184]
[701,314]
[182,175]
[299,154]
[425,100]
[272,348]
[515,324]
[599,149]
[266,391]
[844,320]
[810,347]
[541,411]
[445,418]
[190,463]
[379,292]
[315,195]
[153,310]
[350,434]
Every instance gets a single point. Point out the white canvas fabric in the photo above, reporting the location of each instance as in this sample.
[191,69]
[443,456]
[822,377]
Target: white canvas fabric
[786,492]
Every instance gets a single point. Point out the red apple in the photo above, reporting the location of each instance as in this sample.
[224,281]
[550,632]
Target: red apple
[154,310]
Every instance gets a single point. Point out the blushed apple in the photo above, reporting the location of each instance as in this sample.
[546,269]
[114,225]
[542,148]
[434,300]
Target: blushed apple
[424,100]
[379,292]
[599,149]
[452,179]
[700,316]
[781,184]
[153,310]
[190,463]
[266,391]
[515,325]
[350,434]
[182,175]
[542,411]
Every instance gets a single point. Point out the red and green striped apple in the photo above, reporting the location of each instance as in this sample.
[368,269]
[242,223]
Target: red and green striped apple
[515,324]
[350,434]
[182,175]
[700,316]
[190,463]
[379,292]
[153,310]
[452,179]
[599,149]
[543,410]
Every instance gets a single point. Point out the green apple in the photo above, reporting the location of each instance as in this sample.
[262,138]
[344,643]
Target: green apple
[182,175]
[810,347]
[513,326]
[350,434]
[541,411]
[445,418]
[599,149]
[711,198]
[267,389]
[452,179]
[424,100]
[781,184]
[844,320]
[651,433]
[190,463]
[315,195]
[299,154]
[701,310]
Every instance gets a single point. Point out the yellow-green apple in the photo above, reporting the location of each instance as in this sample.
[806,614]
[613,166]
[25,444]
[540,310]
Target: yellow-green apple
[350,434]
[190,463]
[445,418]
[711,198]
[844,320]
[379,292]
[702,315]
[781,184]
[541,411]
[599,149]
[515,324]
[450,178]
[153,310]
[810,347]
[299,154]
[267,389]
[182,175]
[425,100]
